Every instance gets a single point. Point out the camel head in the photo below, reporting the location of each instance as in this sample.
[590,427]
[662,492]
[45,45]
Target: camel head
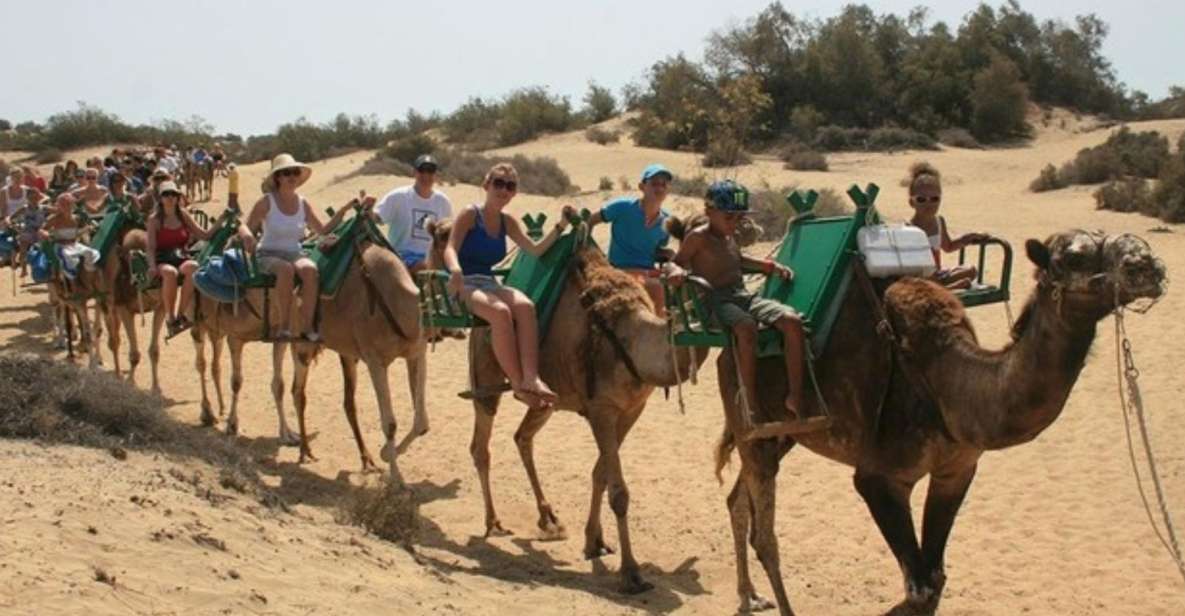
[439,230]
[1097,273]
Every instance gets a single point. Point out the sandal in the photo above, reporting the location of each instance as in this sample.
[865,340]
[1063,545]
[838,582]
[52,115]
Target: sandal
[314,337]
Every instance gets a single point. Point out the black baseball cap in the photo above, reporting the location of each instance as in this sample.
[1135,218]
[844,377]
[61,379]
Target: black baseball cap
[425,160]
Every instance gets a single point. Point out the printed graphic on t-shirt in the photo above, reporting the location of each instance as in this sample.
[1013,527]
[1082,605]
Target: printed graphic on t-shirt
[420,219]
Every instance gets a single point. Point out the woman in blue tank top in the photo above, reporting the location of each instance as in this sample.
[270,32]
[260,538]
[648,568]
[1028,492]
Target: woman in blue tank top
[476,244]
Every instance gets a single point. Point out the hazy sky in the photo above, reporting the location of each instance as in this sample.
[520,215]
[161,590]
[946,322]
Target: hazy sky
[248,67]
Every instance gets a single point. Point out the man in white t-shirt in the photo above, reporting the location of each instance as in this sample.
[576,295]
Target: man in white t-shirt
[407,211]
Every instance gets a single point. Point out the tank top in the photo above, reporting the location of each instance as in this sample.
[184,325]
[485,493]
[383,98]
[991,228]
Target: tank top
[281,232]
[15,203]
[480,252]
[171,239]
[936,242]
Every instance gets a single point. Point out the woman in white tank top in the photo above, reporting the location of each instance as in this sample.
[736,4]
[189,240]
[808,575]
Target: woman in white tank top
[284,217]
[14,196]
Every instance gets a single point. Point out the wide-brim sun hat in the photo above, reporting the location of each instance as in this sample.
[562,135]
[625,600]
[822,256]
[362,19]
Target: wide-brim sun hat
[169,187]
[286,161]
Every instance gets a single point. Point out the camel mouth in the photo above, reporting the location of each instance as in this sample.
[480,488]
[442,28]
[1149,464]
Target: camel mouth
[1133,270]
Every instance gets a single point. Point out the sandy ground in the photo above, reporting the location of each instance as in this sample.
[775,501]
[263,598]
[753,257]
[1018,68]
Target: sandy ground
[1052,527]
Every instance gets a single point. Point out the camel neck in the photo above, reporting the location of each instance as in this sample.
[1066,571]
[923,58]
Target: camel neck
[649,346]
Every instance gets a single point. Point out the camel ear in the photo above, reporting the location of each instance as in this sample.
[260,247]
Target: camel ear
[1038,253]
[676,228]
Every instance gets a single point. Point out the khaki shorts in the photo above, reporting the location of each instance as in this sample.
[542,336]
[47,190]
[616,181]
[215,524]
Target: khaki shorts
[269,259]
[733,305]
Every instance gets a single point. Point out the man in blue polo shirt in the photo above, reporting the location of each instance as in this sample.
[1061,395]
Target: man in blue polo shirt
[637,231]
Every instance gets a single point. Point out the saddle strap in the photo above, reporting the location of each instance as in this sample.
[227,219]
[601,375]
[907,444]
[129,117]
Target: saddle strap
[376,298]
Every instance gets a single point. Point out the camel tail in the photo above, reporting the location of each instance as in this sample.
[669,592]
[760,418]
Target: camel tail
[724,452]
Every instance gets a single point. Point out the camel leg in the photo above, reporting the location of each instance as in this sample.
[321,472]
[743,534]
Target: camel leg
[594,541]
[216,371]
[300,380]
[740,510]
[479,449]
[158,320]
[606,427]
[199,363]
[888,501]
[86,333]
[417,381]
[382,392]
[349,387]
[236,385]
[760,476]
[943,499]
[113,340]
[286,436]
[524,437]
[129,323]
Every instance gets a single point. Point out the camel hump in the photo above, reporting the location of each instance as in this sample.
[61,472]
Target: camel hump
[925,316]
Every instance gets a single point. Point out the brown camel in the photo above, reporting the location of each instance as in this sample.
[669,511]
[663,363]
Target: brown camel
[69,299]
[375,318]
[608,356]
[933,406]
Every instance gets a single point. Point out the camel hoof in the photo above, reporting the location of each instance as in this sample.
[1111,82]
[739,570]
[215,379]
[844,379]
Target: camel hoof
[369,467]
[306,456]
[755,603]
[288,439]
[156,391]
[207,417]
[914,608]
[597,550]
[633,584]
[495,529]
[232,427]
[552,531]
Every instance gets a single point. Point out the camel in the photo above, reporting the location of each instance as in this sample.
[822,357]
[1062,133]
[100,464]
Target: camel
[69,299]
[374,317]
[198,179]
[624,353]
[931,403]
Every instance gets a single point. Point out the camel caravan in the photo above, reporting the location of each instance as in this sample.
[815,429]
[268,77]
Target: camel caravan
[851,340]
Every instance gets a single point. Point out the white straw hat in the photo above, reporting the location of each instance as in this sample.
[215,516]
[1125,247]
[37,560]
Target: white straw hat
[286,161]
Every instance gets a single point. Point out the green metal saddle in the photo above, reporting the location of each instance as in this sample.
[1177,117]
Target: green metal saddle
[333,263]
[539,278]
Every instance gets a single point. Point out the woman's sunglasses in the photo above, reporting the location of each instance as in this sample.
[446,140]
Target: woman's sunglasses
[287,173]
[934,199]
[507,185]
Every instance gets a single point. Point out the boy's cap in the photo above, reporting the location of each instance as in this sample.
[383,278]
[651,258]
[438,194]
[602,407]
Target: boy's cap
[424,160]
[728,196]
[655,170]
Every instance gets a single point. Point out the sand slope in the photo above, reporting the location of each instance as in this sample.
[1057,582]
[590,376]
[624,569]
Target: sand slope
[1052,527]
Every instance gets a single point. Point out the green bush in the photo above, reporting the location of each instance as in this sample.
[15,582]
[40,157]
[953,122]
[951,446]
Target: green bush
[1169,195]
[687,185]
[605,184]
[601,136]
[599,104]
[1049,179]
[1126,195]
[770,210]
[999,101]
[725,152]
[530,112]
[801,158]
[840,139]
[406,149]
[804,121]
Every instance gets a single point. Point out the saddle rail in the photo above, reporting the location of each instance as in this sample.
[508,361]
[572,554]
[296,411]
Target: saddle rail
[982,293]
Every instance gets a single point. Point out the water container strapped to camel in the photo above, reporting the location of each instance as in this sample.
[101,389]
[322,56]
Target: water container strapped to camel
[822,252]
[541,279]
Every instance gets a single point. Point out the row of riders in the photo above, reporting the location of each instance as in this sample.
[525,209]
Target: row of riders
[917,431]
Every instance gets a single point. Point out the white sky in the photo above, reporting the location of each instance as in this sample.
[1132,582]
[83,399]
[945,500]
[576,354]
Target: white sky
[248,66]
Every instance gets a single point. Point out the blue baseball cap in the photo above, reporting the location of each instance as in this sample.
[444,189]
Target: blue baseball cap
[728,196]
[656,169]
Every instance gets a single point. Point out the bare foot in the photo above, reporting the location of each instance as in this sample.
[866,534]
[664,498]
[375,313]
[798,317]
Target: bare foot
[539,388]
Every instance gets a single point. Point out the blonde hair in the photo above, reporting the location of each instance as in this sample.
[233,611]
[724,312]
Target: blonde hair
[501,170]
[923,173]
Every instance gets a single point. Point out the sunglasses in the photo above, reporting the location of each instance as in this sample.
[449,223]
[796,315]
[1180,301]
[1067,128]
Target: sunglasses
[934,199]
[92,178]
[171,194]
[288,173]
[507,185]
[427,169]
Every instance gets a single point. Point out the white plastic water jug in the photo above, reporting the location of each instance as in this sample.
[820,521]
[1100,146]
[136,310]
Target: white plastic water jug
[896,250]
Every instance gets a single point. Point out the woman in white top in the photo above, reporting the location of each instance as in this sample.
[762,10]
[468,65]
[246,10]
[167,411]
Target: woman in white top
[14,196]
[283,215]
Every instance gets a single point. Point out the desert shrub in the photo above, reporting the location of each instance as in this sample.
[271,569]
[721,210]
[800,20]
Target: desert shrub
[1092,166]
[48,156]
[805,160]
[1129,194]
[1049,179]
[689,185]
[725,151]
[601,136]
[537,175]
[599,104]
[1169,195]
[529,112]
[772,212]
[5,125]
[958,138]
[379,164]
[473,117]
[1140,154]
[86,125]
[605,184]
[804,121]
[406,149]
[840,139]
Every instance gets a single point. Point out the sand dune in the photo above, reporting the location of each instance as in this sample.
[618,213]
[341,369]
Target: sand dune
[1052,527]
